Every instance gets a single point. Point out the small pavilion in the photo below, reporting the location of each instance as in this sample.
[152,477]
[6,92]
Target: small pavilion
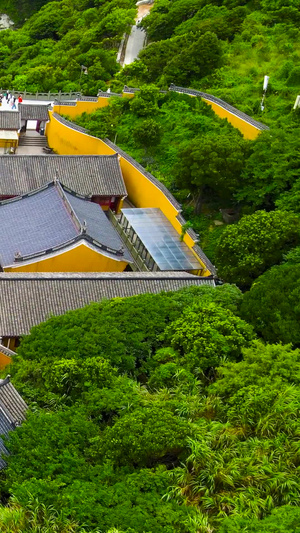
[10,125]
[37,113]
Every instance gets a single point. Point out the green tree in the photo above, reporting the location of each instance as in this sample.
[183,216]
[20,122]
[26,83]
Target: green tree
[271,365]
[272,304]
[271,168]
[246,249]
[144,102]
[211,163]
[145,437]
[290,200]
[195,61]
[206,335]
[147,132]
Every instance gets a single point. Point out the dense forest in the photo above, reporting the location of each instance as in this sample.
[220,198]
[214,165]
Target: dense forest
[158,413]
[175,412]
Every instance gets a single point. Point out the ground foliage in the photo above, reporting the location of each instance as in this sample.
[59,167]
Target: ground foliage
[154,413]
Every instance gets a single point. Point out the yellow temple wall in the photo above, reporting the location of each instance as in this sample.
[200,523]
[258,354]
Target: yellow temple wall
[78,259]
[81,107]
[247,130]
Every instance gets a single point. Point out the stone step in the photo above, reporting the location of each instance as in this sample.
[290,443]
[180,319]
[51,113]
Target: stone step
[33,141]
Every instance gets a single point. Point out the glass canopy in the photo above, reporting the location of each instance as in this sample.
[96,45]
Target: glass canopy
[160,238]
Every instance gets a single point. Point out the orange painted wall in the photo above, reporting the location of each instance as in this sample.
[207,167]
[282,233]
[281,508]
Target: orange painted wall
[81,107]
[4,360]
[248,131]
[67,141]
[79,259]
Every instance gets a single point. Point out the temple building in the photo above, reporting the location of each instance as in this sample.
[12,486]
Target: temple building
[37,113]
[54,229]
[97,176]
[10,125]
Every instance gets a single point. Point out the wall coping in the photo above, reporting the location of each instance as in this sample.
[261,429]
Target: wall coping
[70,124]
[210,98]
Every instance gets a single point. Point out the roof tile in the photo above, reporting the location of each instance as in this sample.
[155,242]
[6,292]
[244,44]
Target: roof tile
[34,112]
[28,299]
[97,175]
[10,120]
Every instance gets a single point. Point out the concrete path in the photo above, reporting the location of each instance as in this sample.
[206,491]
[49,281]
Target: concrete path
[6,107]
[137,37]
[135,44]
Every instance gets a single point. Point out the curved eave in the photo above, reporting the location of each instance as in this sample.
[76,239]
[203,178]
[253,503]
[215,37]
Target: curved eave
[64,249]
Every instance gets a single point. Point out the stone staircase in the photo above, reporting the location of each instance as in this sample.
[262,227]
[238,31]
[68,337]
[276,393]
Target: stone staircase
[30,140]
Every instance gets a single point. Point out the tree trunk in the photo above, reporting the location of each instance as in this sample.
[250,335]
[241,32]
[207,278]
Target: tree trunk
[199,201]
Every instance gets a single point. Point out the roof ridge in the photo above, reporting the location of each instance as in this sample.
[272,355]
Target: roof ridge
[61,156]
[68,205]
[37,276]
[6,350]
[5,381]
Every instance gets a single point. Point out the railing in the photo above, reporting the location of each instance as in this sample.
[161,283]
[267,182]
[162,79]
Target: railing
[44,96]
[138,265]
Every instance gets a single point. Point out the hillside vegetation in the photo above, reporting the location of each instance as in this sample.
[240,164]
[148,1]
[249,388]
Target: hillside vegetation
[46,54]
[160,413]
[175,412]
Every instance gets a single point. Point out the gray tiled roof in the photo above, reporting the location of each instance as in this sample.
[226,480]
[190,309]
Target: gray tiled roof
[6,351]
[34,112]
[10,120]
[37,223]
[151,178]
[98,226]
[85,174]
[28,299]
[11,402]
[12,413]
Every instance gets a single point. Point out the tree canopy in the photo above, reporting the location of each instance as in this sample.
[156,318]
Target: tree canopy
[254,244]
[271,305]
[153,413]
